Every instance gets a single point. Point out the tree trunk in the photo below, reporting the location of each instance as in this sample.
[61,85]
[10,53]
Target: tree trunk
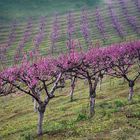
[92,105]
[71,94]
[35,102]
[35,105]
[72,88]
[40,122]
[131,92]
[41,110]
[62,83]
[92,92]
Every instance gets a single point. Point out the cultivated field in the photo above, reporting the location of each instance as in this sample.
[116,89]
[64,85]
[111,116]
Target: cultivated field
[46,29]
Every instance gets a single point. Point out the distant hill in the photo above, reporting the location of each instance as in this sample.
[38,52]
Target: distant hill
[21,9]
[112,35]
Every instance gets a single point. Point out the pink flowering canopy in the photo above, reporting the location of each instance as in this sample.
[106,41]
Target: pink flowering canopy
[33,76]
[96,59]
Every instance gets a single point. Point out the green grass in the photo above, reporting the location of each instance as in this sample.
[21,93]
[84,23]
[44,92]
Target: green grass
[115,118]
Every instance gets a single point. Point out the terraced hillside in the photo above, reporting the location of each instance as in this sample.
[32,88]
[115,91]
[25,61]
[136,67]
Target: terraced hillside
[112,35]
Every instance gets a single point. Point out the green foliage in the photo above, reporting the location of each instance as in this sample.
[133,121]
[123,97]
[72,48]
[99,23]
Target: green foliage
[26,136]
[82,117]
[118,103]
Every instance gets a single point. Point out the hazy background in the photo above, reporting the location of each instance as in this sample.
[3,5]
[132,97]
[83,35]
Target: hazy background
[21,9]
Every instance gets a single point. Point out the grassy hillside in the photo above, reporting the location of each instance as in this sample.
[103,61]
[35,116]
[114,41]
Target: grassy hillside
[96,37]
[115,118]
[21,9]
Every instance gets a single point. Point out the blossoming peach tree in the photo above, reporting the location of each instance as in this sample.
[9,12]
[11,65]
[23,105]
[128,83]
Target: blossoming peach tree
[33,79]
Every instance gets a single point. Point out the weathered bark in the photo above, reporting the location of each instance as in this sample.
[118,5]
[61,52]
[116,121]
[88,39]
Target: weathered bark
[42,105]
[92,105]
[55,85]
[34,100]
[41,110]
[72,88]
[92,91]
[131,90]
[62,83]
[35,105]
[71,94]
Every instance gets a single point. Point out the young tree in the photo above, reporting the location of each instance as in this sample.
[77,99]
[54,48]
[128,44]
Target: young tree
[73,79]
[85,66]
[132,20]
[55,34]
[85,30]
[11,36]
[100,24]
[70,29]
[123,57]
[115,21]
[39,37]
[33,79]
[25,38]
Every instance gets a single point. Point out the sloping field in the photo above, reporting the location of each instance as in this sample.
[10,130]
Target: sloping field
[95,35]
[115,118]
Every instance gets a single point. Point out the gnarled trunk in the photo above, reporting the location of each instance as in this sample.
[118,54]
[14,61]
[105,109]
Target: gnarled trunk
[92,105]
[72,88]
[35,102]
[62,83]
[71,94]
[92,91]
[41,110]
[35,105]
[131,90]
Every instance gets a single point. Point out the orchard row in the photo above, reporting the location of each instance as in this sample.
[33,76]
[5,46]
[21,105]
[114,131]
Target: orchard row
[81,28]
[36,75]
